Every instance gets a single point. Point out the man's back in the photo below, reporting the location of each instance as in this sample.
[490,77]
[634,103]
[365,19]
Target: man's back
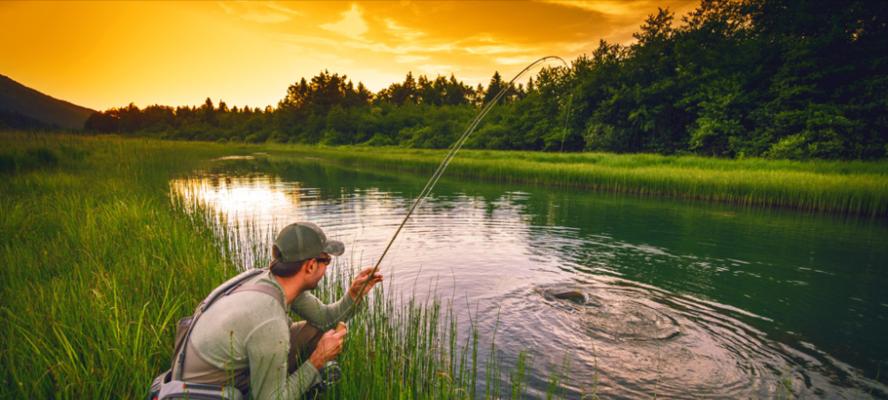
[244,339]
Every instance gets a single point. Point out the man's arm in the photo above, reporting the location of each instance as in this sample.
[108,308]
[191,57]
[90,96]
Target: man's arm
[267,348]
[323,316]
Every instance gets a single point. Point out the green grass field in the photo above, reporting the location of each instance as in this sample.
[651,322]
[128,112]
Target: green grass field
[99,262]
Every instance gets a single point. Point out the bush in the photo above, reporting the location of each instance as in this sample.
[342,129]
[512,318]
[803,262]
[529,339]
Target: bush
[791,147]
[491,136]
[7,163]
[33,158]
[258,137]
[335,137]
[380,139]
[602,137]
[822,134]
[42,157]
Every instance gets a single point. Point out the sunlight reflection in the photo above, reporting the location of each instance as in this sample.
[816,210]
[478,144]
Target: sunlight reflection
[242,198]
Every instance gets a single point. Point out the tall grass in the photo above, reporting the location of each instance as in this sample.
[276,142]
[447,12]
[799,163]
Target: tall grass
[855,187]
[99,262]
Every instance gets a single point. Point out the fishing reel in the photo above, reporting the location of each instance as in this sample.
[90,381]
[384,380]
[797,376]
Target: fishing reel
[331,374]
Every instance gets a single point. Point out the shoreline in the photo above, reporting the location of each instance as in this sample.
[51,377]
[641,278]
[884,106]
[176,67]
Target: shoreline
[853,188]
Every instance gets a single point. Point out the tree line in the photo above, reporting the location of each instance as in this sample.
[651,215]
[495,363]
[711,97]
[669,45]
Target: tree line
[791,79]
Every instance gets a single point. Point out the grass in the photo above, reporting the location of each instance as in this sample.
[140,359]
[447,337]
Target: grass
[99,262]
[854,188]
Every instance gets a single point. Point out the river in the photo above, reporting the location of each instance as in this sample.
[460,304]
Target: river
[673,299]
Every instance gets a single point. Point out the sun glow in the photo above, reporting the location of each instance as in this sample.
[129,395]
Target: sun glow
[104,54]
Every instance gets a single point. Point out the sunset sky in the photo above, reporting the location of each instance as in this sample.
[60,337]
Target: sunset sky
[106,54]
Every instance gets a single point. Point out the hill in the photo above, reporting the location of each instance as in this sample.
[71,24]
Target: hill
[22,107]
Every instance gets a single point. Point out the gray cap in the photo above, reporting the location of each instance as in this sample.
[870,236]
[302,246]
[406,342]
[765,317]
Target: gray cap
[303,240]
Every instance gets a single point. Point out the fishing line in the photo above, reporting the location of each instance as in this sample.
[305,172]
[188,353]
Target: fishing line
[454,148]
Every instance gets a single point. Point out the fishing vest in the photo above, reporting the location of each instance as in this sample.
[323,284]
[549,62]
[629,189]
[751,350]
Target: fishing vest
[170,385]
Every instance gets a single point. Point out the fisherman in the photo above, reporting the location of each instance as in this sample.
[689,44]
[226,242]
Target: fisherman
[246,338]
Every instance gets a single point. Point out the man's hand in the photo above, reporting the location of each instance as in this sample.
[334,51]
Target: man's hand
[329,346]
[363,277]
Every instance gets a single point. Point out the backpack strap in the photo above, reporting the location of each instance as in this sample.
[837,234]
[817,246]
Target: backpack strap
[222,290]
[258,287]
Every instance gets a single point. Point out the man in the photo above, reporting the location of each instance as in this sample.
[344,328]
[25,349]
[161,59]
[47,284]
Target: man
[246,338]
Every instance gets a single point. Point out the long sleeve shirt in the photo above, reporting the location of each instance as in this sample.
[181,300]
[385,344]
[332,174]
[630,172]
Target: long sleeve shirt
[251,330]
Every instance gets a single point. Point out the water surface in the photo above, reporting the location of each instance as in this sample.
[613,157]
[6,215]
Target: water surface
[673,299]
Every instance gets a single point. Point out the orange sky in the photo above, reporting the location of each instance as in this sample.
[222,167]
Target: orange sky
[104,54]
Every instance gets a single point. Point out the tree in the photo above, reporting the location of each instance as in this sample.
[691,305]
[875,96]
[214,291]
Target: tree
[495,86]
[208,113]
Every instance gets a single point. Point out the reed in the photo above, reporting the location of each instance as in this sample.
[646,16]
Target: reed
[845,187]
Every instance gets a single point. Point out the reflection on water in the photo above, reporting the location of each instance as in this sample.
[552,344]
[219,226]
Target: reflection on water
[636,297]
[255,198]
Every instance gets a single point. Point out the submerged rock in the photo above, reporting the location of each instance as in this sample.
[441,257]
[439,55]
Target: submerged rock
[574,296]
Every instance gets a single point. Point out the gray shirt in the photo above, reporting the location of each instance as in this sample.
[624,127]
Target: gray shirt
[251,330]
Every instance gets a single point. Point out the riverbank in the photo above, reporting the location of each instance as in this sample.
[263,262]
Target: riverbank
[843,187]
[99,262]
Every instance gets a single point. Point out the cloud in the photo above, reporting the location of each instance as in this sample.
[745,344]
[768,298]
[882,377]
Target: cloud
[609,7]
[263,13]
[282,8]
[265,18]
[437,69]
[352,23]
[406,59]
[310,40]
[402,32]
[360,44]
[519,60]
[227,8]
[496,49]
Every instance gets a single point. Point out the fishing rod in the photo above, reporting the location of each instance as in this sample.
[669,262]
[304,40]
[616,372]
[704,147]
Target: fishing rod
[454,148]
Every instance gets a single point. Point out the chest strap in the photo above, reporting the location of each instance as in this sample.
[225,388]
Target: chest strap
[272,291]
[236,284]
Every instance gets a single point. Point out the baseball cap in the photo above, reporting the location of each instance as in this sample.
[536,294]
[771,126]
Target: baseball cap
[303,240]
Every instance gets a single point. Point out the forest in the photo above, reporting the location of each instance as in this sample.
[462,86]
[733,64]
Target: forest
[782,79]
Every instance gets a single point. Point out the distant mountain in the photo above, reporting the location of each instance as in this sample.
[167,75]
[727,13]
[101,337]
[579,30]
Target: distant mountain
[22,107]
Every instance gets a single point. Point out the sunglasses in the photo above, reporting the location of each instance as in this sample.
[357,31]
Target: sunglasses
[323,260]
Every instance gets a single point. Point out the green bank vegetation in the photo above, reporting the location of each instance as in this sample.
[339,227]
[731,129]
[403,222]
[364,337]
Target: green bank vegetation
[99,262]
[852,187]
